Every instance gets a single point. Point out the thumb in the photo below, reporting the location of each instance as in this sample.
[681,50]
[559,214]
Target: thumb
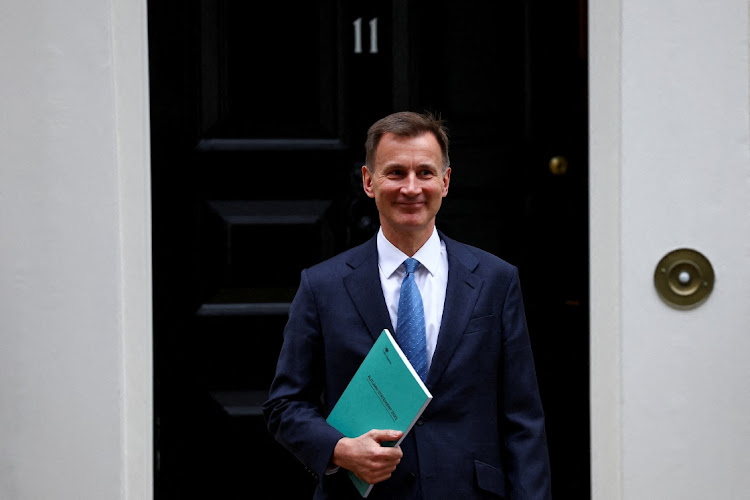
[386,435]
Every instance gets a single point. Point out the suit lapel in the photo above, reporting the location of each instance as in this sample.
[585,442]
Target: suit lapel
[461,294]
[363,286]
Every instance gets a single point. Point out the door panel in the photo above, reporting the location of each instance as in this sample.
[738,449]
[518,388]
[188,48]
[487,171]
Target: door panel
[259,115]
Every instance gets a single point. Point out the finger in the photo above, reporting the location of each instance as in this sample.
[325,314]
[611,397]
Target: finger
[387,457]
[386,435]
[378,474]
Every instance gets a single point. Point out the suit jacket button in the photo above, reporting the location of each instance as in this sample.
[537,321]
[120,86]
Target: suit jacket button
[420,421]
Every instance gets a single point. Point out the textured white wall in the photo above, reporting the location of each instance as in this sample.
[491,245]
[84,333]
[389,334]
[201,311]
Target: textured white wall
[682,179]
[75,339]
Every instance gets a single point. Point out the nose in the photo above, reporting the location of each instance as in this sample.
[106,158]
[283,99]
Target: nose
[411,185]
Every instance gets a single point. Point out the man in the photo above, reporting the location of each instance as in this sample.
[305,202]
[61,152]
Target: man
[482,436]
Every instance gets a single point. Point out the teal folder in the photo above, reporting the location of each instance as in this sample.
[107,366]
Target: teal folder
[384,393]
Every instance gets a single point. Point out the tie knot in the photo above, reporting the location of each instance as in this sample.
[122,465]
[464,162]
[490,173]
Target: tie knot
[411,265]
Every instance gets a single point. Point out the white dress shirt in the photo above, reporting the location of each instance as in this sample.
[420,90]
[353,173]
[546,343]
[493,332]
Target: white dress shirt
[431,277]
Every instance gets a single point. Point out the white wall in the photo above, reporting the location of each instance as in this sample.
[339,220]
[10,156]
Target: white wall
[670,167]
[75,329]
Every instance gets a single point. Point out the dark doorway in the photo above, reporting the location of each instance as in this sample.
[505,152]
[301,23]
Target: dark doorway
[259,112]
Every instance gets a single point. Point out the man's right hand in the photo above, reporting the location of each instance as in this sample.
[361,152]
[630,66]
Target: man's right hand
[366,457]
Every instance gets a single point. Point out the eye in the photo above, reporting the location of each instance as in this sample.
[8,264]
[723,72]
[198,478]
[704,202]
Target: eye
[395,172]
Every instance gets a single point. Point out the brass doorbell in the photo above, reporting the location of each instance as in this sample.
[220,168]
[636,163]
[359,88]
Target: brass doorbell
[684,278]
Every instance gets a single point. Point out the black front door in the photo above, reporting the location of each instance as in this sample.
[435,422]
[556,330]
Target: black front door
[259,113]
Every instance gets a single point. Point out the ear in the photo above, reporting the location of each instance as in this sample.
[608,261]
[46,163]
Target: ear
[367,182]
[446,181]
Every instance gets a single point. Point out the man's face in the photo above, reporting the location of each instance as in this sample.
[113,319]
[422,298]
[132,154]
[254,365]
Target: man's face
[407,182]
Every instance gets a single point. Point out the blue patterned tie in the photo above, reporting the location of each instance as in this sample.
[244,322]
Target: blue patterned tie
[410,330]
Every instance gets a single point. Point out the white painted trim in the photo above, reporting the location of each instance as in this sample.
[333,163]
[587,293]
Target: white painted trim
[605,40]
[130,53]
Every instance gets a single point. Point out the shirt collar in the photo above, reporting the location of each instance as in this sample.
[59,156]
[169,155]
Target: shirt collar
[390,257]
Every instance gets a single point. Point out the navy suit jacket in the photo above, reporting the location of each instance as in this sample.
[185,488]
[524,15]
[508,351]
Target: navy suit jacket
[482,436]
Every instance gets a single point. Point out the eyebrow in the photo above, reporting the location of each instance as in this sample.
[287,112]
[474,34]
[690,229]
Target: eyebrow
[397,164]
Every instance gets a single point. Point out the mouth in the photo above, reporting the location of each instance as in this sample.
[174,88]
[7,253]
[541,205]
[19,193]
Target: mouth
[411,208]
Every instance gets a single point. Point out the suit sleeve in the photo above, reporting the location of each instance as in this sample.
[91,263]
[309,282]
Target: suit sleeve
[525,444]
[294,411]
